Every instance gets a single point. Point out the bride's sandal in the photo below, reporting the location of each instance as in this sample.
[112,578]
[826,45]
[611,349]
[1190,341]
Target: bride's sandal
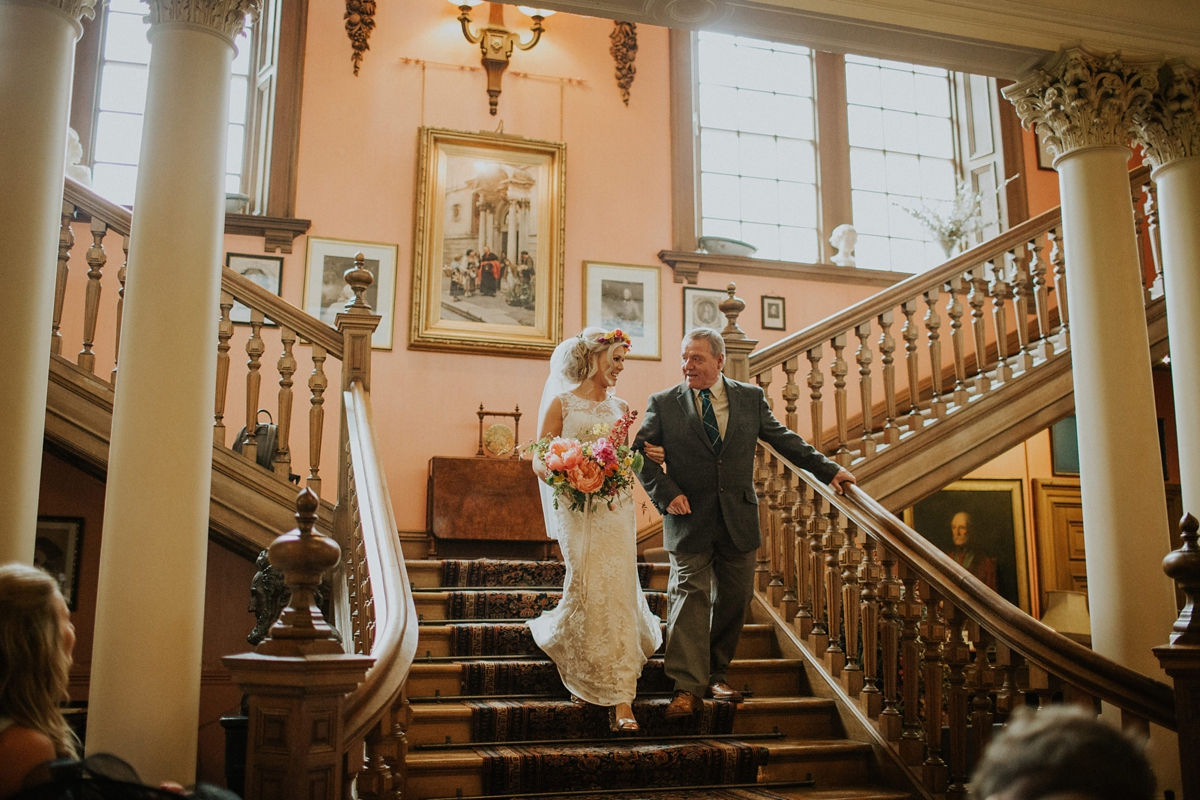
[622,724]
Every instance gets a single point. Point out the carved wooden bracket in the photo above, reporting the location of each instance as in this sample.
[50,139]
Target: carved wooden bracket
[624,51]
[360,21]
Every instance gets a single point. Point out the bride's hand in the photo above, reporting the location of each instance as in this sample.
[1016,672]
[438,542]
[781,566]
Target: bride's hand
[655,453]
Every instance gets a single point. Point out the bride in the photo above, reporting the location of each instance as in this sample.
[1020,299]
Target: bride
[602,632]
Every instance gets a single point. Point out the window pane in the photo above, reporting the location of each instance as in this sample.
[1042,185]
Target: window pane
[235,148]
[717,61]
[757,155]
[129,6]
[798,204]
[241,61]
[233,184]
[907,256]
[719,151]
[756,111]
[798,244]
[116,182]
[764,237]
[872,252]
[718,107]
[791,74]
[123,88]
[933,96]
[760,200]
[866,127]
[797,161]
[897,90]
[870,212]
[754,69]
[721,197]
[118,137]
[900,131]
[862,85]
[125,39]
[730,229]
[237,101]
[903,174]
[934,137]
[937,179]
[867,169]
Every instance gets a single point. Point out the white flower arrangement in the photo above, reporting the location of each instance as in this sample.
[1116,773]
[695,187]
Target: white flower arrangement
[951,222]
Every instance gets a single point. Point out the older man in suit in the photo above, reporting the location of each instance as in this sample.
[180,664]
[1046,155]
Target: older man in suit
[709,427]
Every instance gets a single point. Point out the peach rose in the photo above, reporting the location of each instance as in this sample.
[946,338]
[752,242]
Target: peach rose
[564,455]
[587,477]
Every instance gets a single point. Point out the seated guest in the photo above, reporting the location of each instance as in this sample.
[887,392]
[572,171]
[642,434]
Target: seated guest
[36,640]
[1062,753]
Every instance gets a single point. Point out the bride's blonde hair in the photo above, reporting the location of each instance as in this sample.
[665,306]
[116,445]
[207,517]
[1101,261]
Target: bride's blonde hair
[34,666]
[583,360]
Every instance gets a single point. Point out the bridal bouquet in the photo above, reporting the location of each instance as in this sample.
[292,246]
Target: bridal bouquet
[582,473]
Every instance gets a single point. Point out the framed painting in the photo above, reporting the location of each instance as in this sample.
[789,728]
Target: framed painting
[625,297]
[702,308]
[266,271]
[1064,447]
[56,549]
[981,525]
[488,257]
[326,292]
[774,313]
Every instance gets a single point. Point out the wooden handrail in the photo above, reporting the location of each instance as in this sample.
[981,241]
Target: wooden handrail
[117,217]
[276,309]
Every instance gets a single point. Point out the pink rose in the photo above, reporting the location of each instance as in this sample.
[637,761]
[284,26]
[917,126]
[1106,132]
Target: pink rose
[564,455]
[587,477]
[604,452]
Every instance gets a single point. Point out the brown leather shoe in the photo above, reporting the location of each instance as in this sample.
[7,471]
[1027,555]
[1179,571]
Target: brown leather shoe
[720,690]
[683,704]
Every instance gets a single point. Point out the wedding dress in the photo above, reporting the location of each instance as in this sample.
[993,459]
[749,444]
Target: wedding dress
[602,632]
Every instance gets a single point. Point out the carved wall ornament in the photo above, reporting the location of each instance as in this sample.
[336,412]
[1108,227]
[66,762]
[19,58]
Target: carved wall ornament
[360,21]
[624,51]
[1081,98]
[1168,128]
[224,16]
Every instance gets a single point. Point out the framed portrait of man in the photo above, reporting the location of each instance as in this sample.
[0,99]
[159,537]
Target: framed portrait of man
[56,549]
[626,297]
[326,292]
[702,308]
[980,523]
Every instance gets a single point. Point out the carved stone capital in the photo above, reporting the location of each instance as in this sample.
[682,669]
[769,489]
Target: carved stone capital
[75,9]
[226,17]
[1168,128]
[1081,99]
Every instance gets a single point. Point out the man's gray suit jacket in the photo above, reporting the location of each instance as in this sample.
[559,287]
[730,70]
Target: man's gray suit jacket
[719,488]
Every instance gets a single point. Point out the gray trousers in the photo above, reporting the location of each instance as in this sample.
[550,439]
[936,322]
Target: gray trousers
[708,594]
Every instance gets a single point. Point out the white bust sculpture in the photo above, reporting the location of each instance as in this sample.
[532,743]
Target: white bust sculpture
[844,238]
[74,155]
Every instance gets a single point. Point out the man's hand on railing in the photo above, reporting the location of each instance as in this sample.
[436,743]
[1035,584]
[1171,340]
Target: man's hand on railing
[843,477]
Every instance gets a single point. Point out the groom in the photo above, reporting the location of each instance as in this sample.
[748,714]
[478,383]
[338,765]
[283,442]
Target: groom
[709,427]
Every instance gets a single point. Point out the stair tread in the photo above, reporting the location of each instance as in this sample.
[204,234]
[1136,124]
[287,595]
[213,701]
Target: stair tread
[792,750]
[451,707]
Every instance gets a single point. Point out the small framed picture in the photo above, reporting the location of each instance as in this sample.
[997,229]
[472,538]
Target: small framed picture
[326,292]
[774,313]
[56,549]
[625,297]
[702,308]
[266,271]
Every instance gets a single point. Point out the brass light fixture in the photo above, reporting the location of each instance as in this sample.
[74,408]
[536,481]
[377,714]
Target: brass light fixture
[496,42]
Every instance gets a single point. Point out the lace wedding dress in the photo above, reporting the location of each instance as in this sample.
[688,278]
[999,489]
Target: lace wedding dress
[602,631]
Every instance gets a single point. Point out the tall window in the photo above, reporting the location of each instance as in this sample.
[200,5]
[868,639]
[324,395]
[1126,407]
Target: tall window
[125,57]
[901,156]
[758,173]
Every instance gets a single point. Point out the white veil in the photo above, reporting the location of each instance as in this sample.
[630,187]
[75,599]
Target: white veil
[556,383]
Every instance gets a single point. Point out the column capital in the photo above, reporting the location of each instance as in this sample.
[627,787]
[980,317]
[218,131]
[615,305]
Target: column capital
[1168,127]
[226,17]
[75,9]
[1080,98]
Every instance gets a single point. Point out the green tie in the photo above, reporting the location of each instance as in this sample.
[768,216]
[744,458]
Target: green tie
[710,420]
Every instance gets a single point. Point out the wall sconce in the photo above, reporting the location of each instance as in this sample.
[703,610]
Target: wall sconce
[496,42]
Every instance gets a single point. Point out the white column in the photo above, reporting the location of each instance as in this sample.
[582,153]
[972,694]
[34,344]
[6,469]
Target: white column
[37,60]
[1083,104]
[1169,132]
[145,682]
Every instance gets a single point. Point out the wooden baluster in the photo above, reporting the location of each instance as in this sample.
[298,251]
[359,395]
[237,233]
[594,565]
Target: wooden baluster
[937,405]
[788,499]
[763,379]
[816,408]
[835,656]
[1041,684]
[791,394]
[804,524]
[912,736]
[1022,288]
[958,657]
[911,360]
[1058,263]
[887,347]
[933,635]
[839,370]
[890,596]
[317,383]
[1139,226]
[254,351]
[762,566]
[849,558]
[1152,233]
[977,299]
[120,309]
[287,368]
[954,310]
[869,574]
[1041,299]
[96,259]
[1000,290]
[224,334]
[863,357]
[981,683]
[66,240]
[774,532]
[1009,697]
[816,555]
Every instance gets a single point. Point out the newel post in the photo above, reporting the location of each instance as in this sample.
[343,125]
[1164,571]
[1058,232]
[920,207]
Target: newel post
[298,679]
[737,345]
[1181,658]
[357,324]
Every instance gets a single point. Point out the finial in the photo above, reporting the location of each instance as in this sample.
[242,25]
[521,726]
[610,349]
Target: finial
[1183,566]
[359,279]
[731,307]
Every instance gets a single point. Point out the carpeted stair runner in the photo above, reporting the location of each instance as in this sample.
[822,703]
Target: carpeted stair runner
[482,677]
[488,572]
[495,639]
[513,720]
[512,604]
[670,794]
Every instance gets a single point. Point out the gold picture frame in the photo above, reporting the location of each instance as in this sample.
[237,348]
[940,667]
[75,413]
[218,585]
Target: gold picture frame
[493,199]
[628,297]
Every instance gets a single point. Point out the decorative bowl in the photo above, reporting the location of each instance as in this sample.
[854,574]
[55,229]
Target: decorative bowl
[719,245]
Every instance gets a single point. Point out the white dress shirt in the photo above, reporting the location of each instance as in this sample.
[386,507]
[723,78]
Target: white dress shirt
[720,404]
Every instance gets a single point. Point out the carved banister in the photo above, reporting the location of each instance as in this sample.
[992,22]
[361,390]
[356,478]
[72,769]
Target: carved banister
[1181,658]
[278,310]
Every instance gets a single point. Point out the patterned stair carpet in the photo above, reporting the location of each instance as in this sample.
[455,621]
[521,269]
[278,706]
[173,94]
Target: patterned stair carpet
[519,676]
[670,794]
[491,604]
[495,639]
[483,573]
[513,720]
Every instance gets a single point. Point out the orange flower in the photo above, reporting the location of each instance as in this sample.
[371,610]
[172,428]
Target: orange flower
[587,477]
[611,469]
[564,455]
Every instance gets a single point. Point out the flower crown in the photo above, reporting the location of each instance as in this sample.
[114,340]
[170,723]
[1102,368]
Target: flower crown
[613,337]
